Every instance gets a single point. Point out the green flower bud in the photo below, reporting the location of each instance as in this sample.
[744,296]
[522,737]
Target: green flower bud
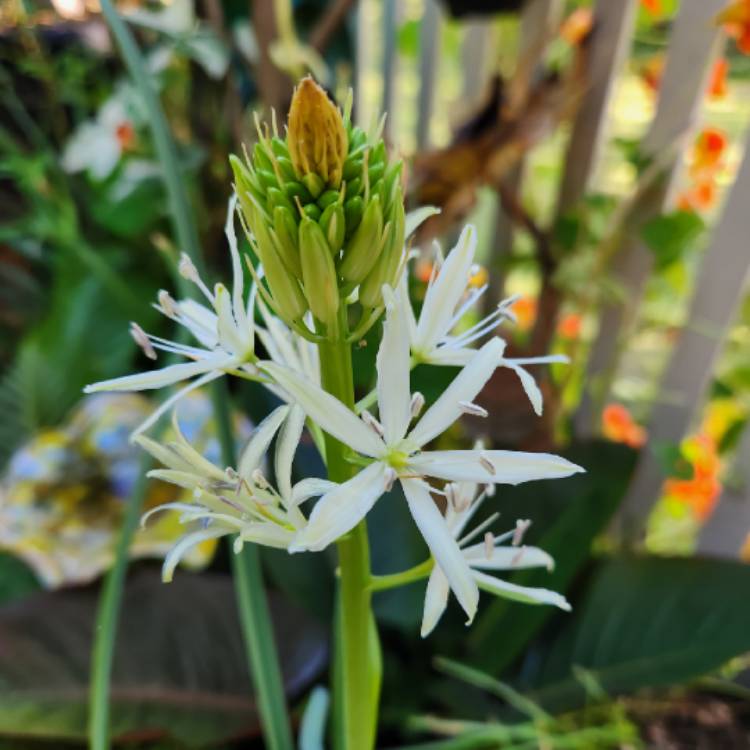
[287,296]
[353,209]
[312,211]
[329,197]
[333,224]
[318,272]
[361,251]
[387,266]
[314,184]
[285,232]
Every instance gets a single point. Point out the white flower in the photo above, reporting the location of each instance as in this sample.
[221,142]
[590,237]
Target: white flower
[224,330]
[241,501]
[398,451]
[489,554]
[448,298]
[96,145]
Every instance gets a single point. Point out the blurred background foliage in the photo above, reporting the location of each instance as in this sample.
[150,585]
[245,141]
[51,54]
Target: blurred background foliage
[654,651]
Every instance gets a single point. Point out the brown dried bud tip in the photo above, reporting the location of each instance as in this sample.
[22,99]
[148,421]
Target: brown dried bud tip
[316,136]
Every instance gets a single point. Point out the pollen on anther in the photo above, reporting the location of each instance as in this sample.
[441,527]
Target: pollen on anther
[521,528]
[417,404]
[140,338]
[489,545]
[486,463]
[468,407]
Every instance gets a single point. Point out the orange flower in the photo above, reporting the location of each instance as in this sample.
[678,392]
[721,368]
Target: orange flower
[524,309]
[708,149]
[577,25]
[570,326]
[735,19]
[717,83]
[619,426]
[652,7]
[652,71]
[125,134]
[423,270]
[702,490]
[699,197]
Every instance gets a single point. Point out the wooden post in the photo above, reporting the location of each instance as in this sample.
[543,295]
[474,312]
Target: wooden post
[726,530]
[429,58]
[693,46]
[722,280]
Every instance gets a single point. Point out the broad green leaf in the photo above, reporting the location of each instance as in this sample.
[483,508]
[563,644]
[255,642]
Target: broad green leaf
[671,236]
[648,622]
[566,516]
[180,668]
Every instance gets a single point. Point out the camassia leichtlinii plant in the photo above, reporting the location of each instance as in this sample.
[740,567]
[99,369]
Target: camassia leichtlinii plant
[323,212]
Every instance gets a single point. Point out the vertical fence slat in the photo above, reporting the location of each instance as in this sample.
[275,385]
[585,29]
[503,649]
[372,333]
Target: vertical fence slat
[728,527]
[390,23]
[476,60]
[429,56]
[613,23]
[722,280]
[538,21]
[693,45]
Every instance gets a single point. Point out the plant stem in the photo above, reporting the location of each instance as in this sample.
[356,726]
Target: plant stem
[255,615]
[357,658]
[417,573]
[107,615]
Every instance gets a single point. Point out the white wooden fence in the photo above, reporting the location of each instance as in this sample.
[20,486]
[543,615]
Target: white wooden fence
[694,43]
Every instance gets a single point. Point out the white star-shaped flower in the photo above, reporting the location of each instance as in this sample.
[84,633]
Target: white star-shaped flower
[241,501]
[492,553]
[397,452]
[448,299]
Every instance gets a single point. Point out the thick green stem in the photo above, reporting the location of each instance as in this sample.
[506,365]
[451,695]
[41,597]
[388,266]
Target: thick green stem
[357,659]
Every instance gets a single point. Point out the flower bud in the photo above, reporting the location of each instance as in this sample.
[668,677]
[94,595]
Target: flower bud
[361,252]
[285,235]
[317,138]
[318,272]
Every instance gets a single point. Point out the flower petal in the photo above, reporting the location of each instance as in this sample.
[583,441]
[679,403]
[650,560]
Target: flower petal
[465,387]
[417,217]
[507,558]
[435,601]
[341,509]
[310,487]
[286,447]
[190,540]
[445,293]
[517,593]
[443,546]
[253,453]
[327,411]
[244,323]
[529,385]
[393,366]
[510,467]
[170,375]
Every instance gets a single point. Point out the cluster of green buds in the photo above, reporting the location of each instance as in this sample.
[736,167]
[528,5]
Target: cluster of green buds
[323,210]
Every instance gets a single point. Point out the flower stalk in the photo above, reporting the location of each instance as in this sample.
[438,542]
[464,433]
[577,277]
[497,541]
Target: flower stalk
[358,648]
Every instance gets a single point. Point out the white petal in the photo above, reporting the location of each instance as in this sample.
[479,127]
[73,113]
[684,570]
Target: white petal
[267,534]
[415,218]
[200,321]
[199,463]
[511,467]
[465,387]
[446,292]
[341,509]
[165,406]
[229,337]
[524,594]
[181,507]
[190,540]
[529,385]
[435,601]
[143,381]
[507,558]
[256,448]
[162,454]
[327,411]
[286,447]
[449,357]
[238,277]
[310,487]
[185,479]
[443,546]
[393,366]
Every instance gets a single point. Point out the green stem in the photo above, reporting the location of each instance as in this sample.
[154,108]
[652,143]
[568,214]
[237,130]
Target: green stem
[255,615]
[393,580]
[108,612]
[357,659]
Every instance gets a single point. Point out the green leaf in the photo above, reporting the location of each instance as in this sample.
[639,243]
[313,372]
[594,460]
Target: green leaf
[16,580]
[180,670]
[649,622]
[671,236]
[568,515]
